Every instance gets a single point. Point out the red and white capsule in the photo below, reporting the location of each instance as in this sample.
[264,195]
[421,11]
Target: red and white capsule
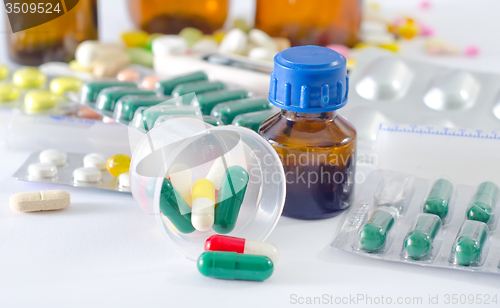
[241,245]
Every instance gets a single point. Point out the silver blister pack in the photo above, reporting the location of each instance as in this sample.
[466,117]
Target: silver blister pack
[387,88]
[65,174]
[428,222]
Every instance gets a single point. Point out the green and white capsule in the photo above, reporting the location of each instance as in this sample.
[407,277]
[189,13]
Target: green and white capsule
[173,205]
[232,265]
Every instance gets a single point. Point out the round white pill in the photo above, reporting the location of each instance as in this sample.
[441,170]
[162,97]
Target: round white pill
[95,160]
[91,175]
[169,45]
[261,39]
[52,156]
[124,180]
[42,170]
[235,41]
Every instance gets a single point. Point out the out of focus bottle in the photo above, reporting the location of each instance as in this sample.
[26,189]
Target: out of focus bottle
[55,40]
[310,22]
[171,16]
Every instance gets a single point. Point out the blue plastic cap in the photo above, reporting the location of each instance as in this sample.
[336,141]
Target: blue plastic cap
[309,79]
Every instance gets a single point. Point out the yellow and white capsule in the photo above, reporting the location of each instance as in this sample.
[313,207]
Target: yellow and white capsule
[203,206]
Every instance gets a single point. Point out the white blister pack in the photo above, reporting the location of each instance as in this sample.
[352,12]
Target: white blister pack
[387,88]
[435,222]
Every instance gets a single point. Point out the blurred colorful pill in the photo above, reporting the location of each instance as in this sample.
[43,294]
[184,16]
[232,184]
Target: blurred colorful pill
[149,82]
[4,71]
[191,35]
[29,78]
[8,93]
[135,38]
[128,74]
[61,85]
[38,100]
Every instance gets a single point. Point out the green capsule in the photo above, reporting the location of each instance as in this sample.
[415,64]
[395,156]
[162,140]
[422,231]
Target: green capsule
[232,265]
[373,235]
[173,205]
[419,241]
[140,56]
[212,120]
[127,106]
[230,110]
[197,88]
[253,120]
[437,202]
[146,118]
[470,242]
[90,90]
[108,97]
[208,101]
[483,202]
[229,199]
[167,86]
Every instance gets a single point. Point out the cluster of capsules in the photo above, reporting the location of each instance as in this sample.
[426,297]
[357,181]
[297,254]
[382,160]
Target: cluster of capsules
[216,102]
[94,170]
[443,229]
[30,90]
[241,40]
[227,257]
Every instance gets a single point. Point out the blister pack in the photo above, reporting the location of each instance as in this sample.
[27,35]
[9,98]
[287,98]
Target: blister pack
[386,88]
[79,170]
[188,94]
[435,222]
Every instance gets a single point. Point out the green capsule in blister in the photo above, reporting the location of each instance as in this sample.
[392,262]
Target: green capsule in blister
[196,88]
[483,202]
[419,241]
[253,120]
[145,118]
[230,110]
[437,202]
[108,97]
[229,199]
[167,86]
[90,91]
[127,106]
[373,234]
[209,100]
[470,242]
[173,205]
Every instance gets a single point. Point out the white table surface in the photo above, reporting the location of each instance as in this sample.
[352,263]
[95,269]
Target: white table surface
[103,251]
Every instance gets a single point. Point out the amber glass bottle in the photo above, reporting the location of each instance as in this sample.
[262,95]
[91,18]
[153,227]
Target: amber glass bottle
[310,22]
[57,39]
[171,16]
[316,146]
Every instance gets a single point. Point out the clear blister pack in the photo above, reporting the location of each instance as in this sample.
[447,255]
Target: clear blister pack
[125,101]
[387,88]
[73,169]
[430,222]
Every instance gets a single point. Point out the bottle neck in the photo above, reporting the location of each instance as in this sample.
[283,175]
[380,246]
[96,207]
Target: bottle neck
[308,117]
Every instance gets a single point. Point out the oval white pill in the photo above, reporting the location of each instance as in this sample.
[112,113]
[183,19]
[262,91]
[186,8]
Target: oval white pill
[91,175]
[124,180]
[261,39]
[52,156]
[204,46]
[169,45]
[42,170]
[95,160]
[40,201]
[235,41]
[261,53]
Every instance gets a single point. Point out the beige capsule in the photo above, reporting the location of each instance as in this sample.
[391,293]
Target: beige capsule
[47,200]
